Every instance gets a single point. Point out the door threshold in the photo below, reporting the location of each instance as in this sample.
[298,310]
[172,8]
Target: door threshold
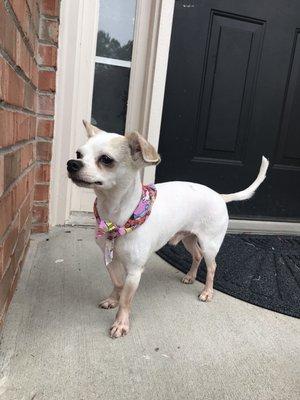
[78,218]
[263,227]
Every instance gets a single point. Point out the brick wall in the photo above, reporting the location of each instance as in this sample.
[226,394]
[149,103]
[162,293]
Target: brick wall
[28,51]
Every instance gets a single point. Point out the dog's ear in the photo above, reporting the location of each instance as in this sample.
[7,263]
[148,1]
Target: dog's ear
[91,130]
[142,152]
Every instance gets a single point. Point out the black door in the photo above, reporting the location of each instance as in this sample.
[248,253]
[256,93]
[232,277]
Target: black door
[233,95]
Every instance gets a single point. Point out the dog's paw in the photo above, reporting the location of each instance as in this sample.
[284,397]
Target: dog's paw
[188,279]
[206,295]
[108,303]
[118,329]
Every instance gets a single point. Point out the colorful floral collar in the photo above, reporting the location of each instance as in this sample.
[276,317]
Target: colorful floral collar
[138,217]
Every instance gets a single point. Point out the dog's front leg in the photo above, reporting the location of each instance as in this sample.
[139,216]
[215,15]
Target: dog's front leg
[116,272]
[121,325]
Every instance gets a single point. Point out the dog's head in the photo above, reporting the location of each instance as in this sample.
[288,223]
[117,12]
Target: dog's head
[108,159]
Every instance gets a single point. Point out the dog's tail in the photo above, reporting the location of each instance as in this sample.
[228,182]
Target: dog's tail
[249,192]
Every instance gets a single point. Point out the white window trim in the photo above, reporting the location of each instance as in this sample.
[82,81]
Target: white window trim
[73,95]
[157,74]
[112,61]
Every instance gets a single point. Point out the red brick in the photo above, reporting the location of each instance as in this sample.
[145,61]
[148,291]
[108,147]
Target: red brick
[15,271]
[1,261]
[47,80]
[6,212]
[3,16]
[40,214]
[29,97]
[26,187]
[19,193]
[49,7]
[47,55]
[8,32]
[19,8]
[26,156]
[9,282]
[48,30]
[13,199]
[42,173]
[42,228]
[45,127]
[22,13]
[23,239]
[15,93]
[41,192]
[32,4]
[34,13]
[21,126]
[23,187]
[32,38]
[31,194]
[22,55]
[45,104]
[43,151]
[30,180]
[32,126]
[2,77]
[9,243]
[12,167]
[7,131]
[1,175]
[15,126]
[34,72]
[24,211]
[5,286]
[10,39]
[12,85]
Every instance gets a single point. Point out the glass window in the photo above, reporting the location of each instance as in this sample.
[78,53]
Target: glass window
[113,63]
[115,32]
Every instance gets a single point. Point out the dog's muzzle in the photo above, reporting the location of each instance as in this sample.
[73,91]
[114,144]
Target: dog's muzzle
[74,166]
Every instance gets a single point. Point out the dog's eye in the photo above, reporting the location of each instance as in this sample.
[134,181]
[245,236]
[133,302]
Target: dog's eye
[78,154]
[106,160]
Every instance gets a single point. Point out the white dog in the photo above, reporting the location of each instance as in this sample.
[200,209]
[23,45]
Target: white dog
[110,164]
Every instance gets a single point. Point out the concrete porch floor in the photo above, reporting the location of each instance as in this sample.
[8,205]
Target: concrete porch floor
[55,342]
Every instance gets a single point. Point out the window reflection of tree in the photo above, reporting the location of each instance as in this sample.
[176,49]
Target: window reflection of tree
[111,48]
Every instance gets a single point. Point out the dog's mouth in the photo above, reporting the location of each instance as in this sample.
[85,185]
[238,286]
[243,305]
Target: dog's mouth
[81,182]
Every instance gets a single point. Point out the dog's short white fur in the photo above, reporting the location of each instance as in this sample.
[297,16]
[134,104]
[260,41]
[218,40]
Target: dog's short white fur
[110,164]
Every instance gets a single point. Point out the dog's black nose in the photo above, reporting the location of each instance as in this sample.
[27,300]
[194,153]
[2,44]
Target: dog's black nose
[74,165]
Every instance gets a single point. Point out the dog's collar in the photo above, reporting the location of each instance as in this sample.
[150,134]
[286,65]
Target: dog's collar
[138,217]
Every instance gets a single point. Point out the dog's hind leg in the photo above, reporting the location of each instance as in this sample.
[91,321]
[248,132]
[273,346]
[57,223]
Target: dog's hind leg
[116,272]
[191,244]
[210,248]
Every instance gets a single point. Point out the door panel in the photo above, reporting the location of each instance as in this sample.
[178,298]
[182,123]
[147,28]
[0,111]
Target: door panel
[225,104]
[288,150]
[232,95]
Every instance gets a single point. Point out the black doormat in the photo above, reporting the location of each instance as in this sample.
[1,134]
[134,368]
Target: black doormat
[262,270]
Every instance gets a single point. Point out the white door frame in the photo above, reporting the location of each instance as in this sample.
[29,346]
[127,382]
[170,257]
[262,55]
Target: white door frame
[76,59]
[76,56]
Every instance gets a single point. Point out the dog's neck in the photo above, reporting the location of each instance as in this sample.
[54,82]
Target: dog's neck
[117,204]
